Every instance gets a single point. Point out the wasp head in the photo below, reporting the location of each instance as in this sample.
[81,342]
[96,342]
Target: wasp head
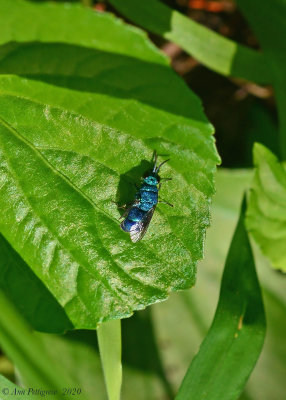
[152,179]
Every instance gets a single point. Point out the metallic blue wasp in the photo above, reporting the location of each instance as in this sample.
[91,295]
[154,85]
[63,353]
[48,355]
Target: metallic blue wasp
[138,216]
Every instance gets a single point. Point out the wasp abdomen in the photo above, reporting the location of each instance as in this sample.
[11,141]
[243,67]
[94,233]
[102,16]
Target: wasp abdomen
[135,214]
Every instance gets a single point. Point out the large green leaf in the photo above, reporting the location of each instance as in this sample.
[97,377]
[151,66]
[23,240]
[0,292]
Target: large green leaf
[268,22]
[211,49]
[233,344]
[266,214]
[75,136]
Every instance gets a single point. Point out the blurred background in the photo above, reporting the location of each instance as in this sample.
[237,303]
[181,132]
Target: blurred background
[242,112]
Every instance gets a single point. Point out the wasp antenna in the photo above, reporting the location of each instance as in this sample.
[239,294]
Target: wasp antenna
[158,169]
[155,162]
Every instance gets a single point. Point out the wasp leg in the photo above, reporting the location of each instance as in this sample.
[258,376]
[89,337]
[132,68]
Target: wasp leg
[124,207]
[165,202]
[124,214]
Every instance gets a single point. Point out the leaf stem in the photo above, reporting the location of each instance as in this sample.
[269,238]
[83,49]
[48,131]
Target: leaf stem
[109,340]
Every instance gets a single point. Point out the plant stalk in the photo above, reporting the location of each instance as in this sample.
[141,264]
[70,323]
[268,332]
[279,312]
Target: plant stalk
[109,340]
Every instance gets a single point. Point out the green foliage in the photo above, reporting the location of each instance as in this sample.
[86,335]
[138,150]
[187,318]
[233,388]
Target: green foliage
[266,217]
[211,49]
[23,22]
[99,116]
[188,314]
[224,362]
[85,99]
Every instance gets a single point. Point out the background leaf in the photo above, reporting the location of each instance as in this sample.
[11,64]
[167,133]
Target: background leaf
[224,362]
[266,213]
[27,352]
[99,115]
[211,49]
[25,21]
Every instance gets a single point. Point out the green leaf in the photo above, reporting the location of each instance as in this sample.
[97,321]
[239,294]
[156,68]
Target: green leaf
[75,137]
[211,49]
[266,213]
[109,340]
[25,21]
[236,336]
[28,353]
[268,22]
[28,293]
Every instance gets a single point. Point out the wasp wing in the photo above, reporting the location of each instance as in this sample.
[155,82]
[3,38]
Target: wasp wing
[126,211]
[138,230]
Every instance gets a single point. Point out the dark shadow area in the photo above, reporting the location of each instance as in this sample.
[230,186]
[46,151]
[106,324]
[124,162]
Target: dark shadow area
[28,294]
[95,71]
[240,119]
[86,336]
[158,18]
[139,347]
[129,182]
